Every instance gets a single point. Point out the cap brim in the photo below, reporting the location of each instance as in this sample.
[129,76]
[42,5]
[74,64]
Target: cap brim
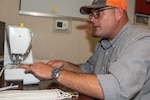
[87,9]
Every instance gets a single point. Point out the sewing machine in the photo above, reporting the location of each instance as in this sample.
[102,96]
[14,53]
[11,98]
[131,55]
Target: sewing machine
[18,50]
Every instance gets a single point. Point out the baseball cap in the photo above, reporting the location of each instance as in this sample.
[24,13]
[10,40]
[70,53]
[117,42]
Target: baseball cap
[104,3]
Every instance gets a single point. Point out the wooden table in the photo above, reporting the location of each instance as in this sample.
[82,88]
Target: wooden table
[45,85]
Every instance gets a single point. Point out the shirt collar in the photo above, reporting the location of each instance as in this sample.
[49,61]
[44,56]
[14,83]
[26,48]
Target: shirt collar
[107,44]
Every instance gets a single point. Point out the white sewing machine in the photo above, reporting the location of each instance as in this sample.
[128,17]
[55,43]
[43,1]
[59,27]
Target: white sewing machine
[18,50]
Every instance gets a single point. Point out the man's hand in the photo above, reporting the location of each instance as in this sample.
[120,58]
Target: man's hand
[40,69]
[57,63]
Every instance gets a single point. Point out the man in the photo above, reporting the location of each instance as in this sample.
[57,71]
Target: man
[119,68]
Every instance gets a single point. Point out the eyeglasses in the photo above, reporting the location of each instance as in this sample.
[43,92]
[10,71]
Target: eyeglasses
[97,13]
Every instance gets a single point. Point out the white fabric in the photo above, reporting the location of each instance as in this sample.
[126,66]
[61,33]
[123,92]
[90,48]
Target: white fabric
[53,94]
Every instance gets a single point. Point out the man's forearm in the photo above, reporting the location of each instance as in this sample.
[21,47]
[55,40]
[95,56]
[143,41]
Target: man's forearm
[81,83]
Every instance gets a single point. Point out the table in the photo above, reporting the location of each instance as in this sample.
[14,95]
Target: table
[45,84]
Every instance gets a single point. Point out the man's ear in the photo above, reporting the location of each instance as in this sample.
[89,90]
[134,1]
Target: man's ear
[119,14]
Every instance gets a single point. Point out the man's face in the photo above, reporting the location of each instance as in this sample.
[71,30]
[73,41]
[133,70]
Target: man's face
[104,21]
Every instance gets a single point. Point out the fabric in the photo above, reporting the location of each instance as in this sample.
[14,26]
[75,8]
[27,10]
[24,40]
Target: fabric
[53,94]
[122,65]
[103,3]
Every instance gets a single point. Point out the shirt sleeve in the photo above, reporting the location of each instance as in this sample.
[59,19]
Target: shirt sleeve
[89,66]
[128,73]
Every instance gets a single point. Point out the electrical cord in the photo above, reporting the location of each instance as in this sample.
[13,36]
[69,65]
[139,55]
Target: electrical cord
[11,86]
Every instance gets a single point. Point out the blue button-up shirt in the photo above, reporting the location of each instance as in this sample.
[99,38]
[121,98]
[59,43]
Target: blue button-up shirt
[122,65]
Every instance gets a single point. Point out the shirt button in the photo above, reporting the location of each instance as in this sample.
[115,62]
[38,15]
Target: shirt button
[107,53]
[103,68]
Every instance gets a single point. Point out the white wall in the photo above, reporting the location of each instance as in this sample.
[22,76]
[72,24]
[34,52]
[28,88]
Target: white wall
[131,11]
[75,46]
